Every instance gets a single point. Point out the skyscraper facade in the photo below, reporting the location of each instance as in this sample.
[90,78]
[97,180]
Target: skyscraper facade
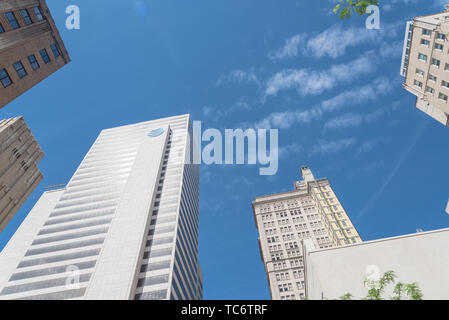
[124,227]
[425,64]
[311,211]
[19,174]
[31,48]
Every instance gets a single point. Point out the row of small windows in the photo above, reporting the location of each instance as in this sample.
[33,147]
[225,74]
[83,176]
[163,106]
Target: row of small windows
[11,17]
[5,79]
[428,33]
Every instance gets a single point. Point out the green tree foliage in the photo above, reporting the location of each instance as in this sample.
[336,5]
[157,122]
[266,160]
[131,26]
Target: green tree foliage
[346,7]
[376,289]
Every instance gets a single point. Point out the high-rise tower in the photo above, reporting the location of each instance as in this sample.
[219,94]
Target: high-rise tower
[425,64]
[31,48]
[19,173]
[311,211]
[124,227]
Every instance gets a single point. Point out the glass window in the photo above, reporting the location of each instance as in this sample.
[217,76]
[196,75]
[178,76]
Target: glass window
[436,62]
[442,97]
[33,62]
[55,50]
[37,12]
[45,56]
[21,72]
[430,90]
[425,42]
[26,16]
[12,20]
[441,36]
[4,78]
[439,46]
[422,57]
[426,32]
[432,78]
[445,84]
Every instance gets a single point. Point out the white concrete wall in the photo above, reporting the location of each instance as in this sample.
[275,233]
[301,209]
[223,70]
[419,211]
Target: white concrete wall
[16,248]
[421,258]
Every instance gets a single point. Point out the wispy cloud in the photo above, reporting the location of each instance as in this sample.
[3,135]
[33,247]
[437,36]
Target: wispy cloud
[348,120]
[369,145]
[289,50]
[216,113]
[313,82]
[355,96]
[334,41]
[238,76]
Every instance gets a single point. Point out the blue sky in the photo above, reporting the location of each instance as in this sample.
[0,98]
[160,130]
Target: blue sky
[331,87]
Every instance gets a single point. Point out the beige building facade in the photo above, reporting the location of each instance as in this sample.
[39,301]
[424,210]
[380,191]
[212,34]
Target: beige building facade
[31,48]
[311,211]
[19,173]
[425,64]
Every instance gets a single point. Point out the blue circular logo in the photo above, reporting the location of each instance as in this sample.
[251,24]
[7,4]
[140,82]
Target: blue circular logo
[156,132]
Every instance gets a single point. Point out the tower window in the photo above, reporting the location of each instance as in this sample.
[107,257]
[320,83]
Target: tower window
[12,20]
[55,50]
[33,62]
[26,16]
[4,78]
[21,72]
[37,12]
[45,56]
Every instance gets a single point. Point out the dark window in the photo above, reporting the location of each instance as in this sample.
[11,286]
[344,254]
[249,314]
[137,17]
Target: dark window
[55,50]
[1,28]
[12,20]
[33,62]
[37,12]
[21,72]
[26,16]
[4,78]
[45,56]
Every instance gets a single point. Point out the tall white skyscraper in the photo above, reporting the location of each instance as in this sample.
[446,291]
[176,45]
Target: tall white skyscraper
[124,227]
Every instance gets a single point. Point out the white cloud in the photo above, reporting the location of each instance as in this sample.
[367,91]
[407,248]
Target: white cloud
[353,120]
[312,82]
[355,96]
[289,50]
[335,41]
[238,76]
[218,113]
[344,121]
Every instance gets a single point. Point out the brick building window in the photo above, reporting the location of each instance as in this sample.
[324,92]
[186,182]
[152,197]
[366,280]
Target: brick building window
[33,62]
[37,12]
[55,50]
[4,78]
[12,20]
[21,72]
[45,56]
[26,16]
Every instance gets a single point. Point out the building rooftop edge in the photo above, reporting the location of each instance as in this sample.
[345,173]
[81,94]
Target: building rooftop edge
[381,240]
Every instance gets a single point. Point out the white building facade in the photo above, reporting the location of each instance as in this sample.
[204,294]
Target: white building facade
[421,258]
[124,227]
